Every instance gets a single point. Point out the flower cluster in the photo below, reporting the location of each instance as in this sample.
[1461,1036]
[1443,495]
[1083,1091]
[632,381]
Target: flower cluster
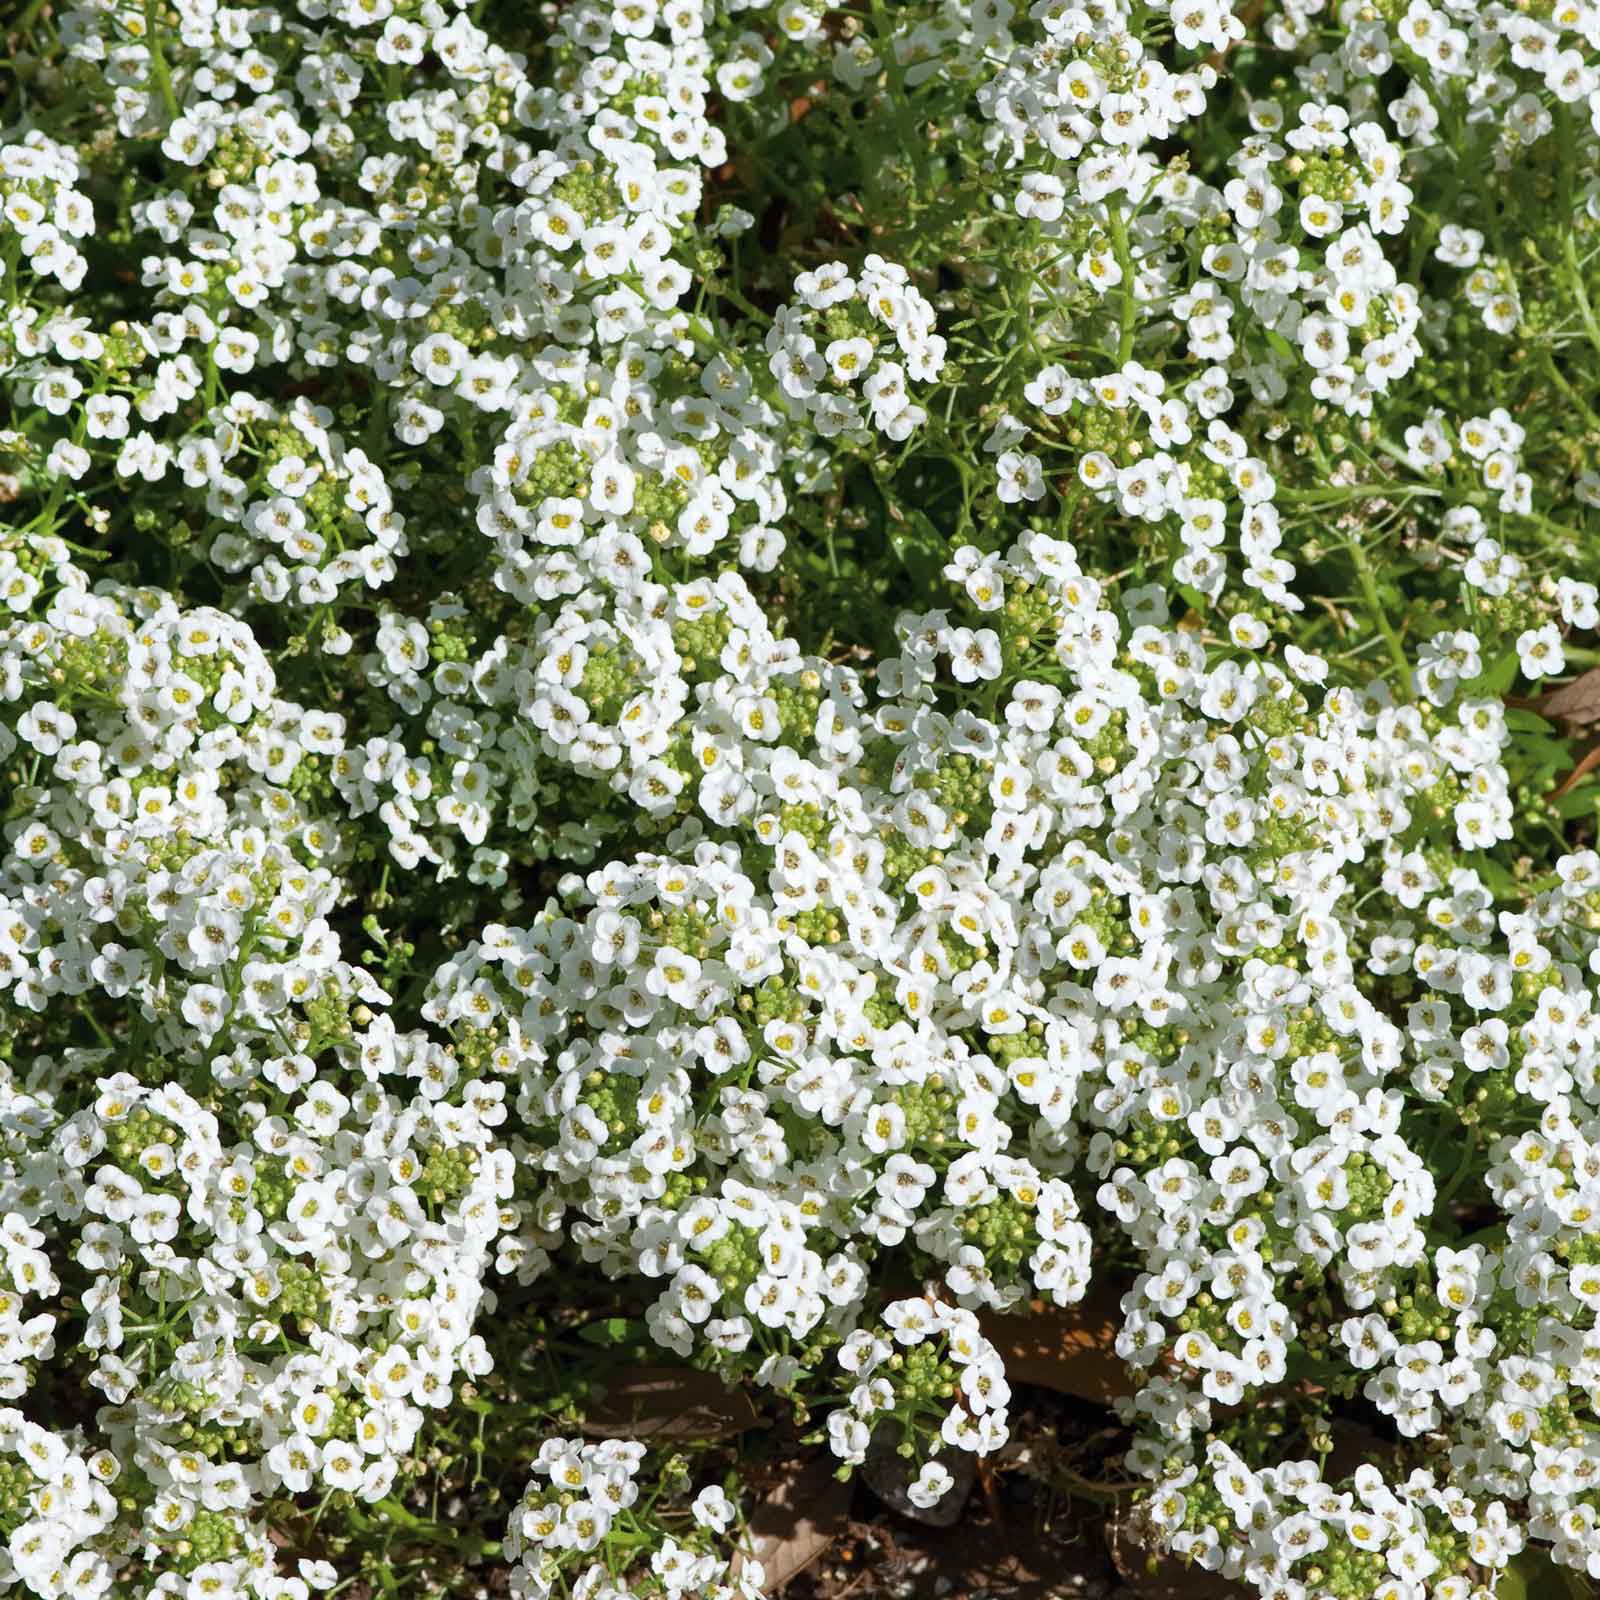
[586,1490]
[854,316]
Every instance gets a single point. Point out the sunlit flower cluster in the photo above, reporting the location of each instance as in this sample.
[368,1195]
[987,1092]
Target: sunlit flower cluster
[820,673]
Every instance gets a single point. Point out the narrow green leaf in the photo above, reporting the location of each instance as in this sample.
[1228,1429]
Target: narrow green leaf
[1579,802]
[1496,678]
[1532,1575]
[610,1331]
[917,544]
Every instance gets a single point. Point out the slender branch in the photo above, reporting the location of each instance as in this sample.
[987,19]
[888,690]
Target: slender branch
[1380,615]
[1130,309]
[1585,310]
[158,61]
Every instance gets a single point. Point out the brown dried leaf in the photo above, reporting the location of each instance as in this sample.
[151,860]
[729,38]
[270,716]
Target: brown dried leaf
[1577,702]
[803,1513]
[668,1403]
[1071,1349]
[1587,762]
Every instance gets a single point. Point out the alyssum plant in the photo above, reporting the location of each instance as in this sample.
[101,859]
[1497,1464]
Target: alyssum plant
[810,671]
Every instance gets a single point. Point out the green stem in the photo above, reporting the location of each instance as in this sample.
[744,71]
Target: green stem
[1333,496]
[1130,309]
[912,143]
[1380,615]
[1463,1167]
[1567,389]
[25,24]
[158,61]
[1585,310]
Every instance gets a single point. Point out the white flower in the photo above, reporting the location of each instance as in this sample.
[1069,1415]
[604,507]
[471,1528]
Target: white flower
[1539,652]
[931,1485]
[1021,477]
[712,1509]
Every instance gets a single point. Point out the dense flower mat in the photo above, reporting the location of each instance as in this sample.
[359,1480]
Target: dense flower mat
[734,683]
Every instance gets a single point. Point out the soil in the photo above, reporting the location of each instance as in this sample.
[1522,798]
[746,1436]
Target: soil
[1031,1532]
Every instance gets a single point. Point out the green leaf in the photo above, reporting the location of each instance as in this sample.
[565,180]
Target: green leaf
[1534,1576]
[1496,678]
[1500,881]
[1520,721]
[917,544]
[1578,802]
[1534,753]
[611,1331]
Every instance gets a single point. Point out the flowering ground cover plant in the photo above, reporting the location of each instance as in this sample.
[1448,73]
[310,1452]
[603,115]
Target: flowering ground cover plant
[732,684]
